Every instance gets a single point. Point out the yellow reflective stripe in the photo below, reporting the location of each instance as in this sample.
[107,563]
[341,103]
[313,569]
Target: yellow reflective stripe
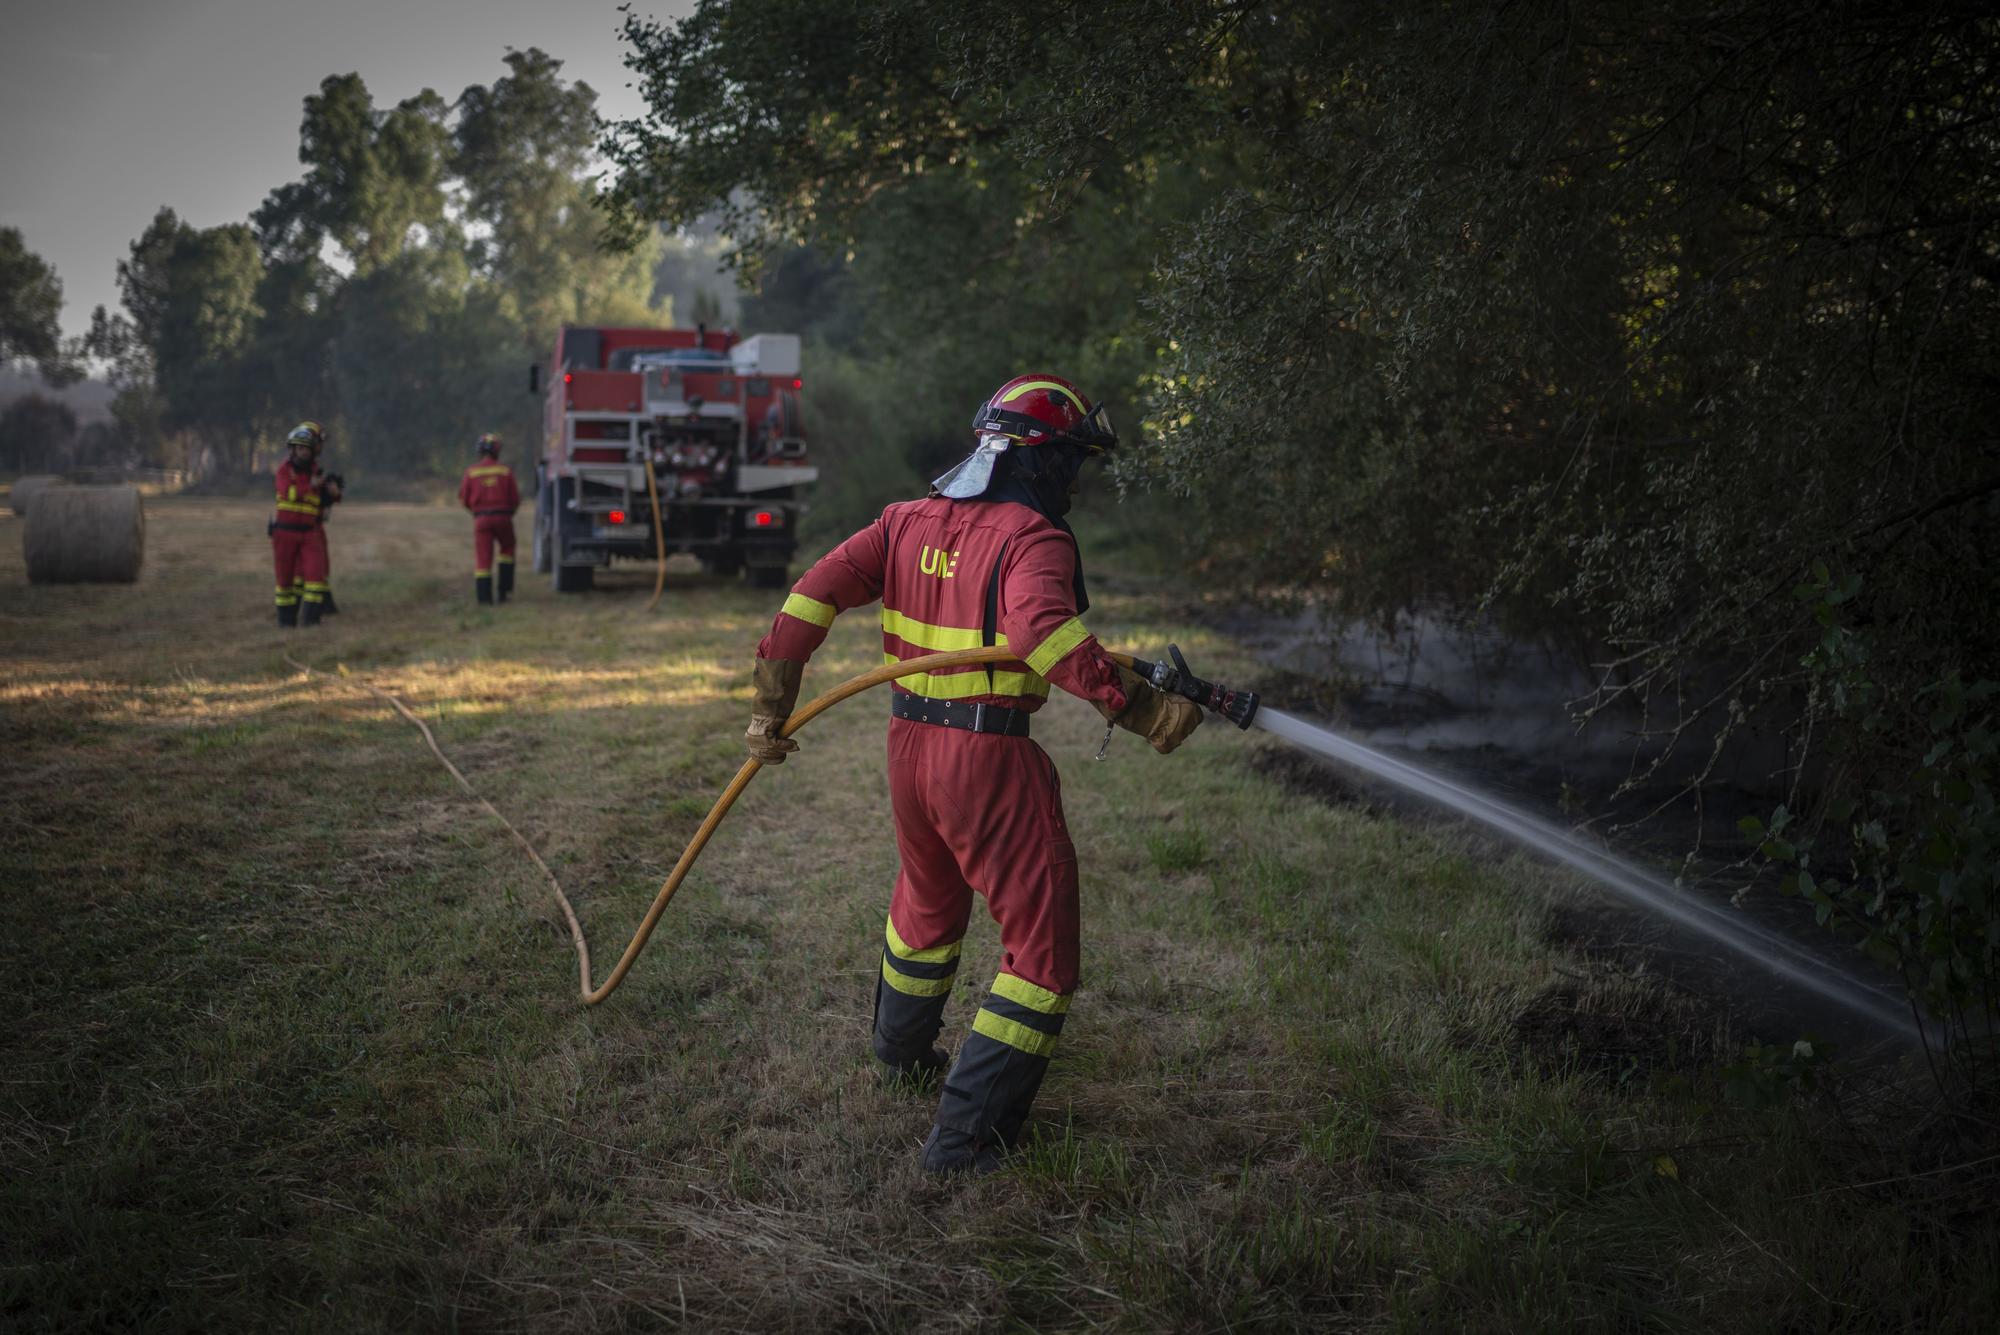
[1063,390]
[937,639]
[1055,648]
[959,685]
[299,507]
[504,559]
[1014,1034]
[809,609]
[488,470]
[480,572]
[902,949]
[915,987]
[313,584]
[1034,998]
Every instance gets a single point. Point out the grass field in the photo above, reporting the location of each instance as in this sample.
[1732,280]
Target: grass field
[292,1041]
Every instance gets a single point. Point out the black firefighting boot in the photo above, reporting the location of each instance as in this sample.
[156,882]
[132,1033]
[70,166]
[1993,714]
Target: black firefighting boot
[288,612]
[310,609]
[948,1153]
[482,588]
[505,570]
[909,1009]
[988,1093]
[905,1032]
[300,588]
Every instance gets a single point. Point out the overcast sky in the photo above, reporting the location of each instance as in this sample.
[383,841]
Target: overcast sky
[111,108]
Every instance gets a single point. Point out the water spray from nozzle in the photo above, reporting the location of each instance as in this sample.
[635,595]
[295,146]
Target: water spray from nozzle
[1785,959]
[1239,707]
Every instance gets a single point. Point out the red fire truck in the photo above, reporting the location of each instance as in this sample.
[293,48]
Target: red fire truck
[714,416]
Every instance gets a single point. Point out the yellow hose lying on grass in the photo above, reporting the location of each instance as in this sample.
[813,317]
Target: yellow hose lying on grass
[659,538]
[800,717]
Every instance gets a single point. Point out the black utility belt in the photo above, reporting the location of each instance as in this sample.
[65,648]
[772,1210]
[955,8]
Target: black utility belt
[492,514]
[959,714]
[294,528]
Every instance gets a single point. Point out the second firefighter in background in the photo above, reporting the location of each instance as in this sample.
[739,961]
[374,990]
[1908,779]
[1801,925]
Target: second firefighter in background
[986,559]
[488,490]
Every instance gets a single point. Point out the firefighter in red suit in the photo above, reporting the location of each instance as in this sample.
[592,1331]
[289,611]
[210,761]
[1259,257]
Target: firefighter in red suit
[986,559]
[298,543]
[488,490]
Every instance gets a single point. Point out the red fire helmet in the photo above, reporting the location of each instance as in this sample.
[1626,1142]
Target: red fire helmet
[1044,409]
[1030,411]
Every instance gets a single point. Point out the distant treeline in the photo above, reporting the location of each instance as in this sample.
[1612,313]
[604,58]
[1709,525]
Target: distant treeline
[396,291]
[1669,326]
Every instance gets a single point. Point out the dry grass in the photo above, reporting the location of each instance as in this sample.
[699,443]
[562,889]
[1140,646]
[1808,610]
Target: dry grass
[294,1039]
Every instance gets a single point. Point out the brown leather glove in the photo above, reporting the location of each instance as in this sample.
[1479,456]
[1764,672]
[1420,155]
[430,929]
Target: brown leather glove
[774,689]
[1163,720]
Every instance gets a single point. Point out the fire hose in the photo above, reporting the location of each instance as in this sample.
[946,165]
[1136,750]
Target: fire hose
[659,543]
[1239,707]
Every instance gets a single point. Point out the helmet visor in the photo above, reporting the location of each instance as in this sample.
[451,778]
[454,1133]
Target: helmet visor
[1095,432]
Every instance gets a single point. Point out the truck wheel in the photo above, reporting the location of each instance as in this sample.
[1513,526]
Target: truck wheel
[770,577]
[554,549]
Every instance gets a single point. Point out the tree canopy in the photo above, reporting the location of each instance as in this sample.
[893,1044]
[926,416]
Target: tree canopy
[1634,312]
[396,291]
[31,312]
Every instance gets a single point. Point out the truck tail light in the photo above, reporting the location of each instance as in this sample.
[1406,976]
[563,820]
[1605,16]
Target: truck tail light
[798,383]
[763,519]
[617,516]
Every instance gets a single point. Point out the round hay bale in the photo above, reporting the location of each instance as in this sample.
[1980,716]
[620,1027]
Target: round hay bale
[22,494]
[85,535]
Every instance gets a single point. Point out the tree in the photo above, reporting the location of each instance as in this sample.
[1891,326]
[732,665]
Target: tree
[37,435]
[523,151]
[183,353]
[31,312]
[375,181]
[1601,317]
[467,238]
[921,183]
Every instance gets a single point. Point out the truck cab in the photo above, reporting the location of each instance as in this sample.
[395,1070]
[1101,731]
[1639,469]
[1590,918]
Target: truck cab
[716,420]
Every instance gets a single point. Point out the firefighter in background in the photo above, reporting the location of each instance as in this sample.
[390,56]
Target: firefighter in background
[298,542]
[488,490]
[986,559]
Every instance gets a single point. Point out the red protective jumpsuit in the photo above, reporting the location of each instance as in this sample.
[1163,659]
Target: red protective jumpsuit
[974,810]
[298,545]
[490,492]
